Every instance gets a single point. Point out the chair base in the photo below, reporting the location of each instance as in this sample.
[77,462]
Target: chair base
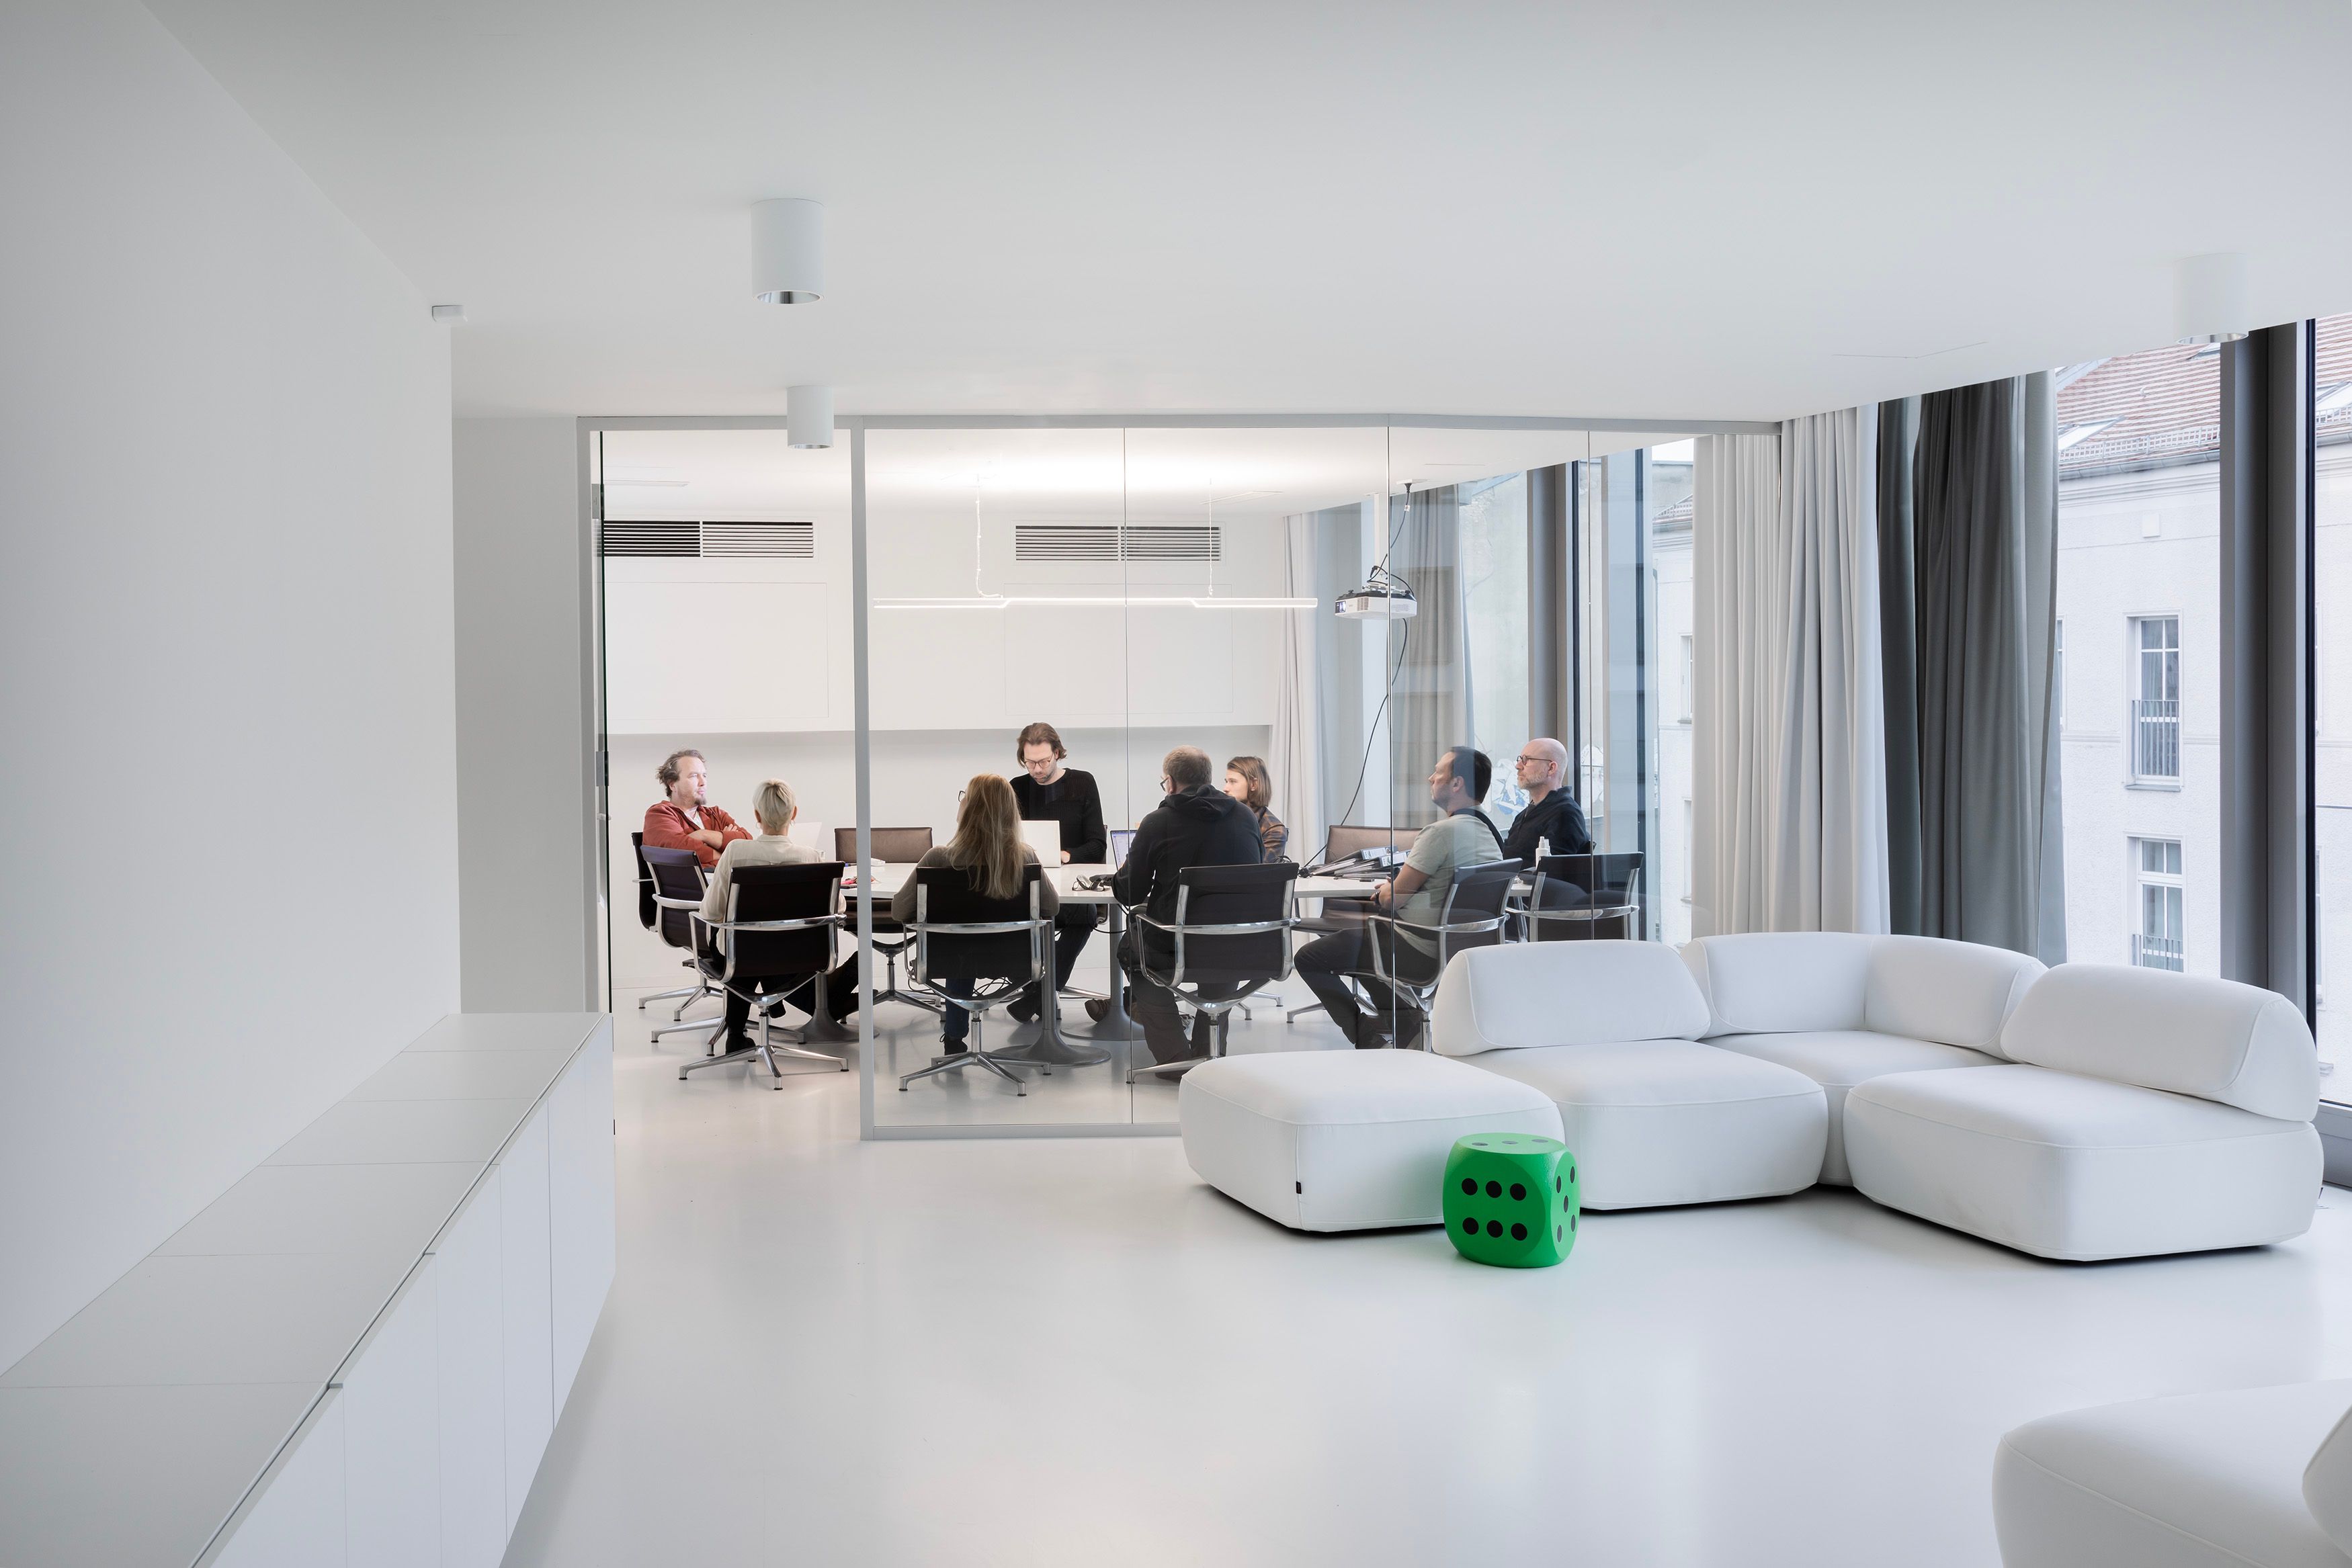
[988,1060]
[666,996]
[766,1051]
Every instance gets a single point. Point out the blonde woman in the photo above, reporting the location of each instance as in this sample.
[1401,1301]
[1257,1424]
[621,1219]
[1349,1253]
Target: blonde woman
[987,848]
[1246,780]
[775,806]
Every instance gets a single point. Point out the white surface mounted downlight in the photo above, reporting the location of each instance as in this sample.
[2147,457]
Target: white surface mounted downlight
[2209,294]
[788,250]
[808,416]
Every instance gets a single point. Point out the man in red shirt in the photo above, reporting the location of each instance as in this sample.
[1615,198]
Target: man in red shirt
[686,821]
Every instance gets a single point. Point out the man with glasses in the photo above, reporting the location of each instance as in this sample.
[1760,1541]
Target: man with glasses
[1048,791]
[1196,824]
[1551,814]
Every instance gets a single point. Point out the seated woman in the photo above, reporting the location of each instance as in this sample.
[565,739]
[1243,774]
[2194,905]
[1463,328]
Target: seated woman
[988,847]
[774,805]
[1247,781]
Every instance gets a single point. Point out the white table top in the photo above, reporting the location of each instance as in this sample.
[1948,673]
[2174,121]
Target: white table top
[888,879]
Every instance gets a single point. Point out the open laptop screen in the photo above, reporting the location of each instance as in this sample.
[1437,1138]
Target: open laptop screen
[1046,838]
[1121,840]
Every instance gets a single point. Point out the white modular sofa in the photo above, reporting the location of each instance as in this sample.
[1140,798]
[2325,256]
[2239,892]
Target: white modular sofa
[2255,1475]
[2139,1113]
[1609,1031]
[1843,1010]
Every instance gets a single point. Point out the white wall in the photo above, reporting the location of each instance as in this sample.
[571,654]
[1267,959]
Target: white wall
[227,812]
[524,751]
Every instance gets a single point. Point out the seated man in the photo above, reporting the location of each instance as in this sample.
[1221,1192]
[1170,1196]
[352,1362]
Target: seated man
[685,819]
[1462,837]
[1551,814]
[1196,824]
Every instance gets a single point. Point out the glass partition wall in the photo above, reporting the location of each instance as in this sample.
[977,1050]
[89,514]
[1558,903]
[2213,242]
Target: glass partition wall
[1360,628]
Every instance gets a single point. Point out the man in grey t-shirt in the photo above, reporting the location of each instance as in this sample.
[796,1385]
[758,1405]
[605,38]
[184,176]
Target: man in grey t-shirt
[1461,836]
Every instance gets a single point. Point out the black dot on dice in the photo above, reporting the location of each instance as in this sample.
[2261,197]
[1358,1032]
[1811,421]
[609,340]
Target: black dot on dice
[1470,1227]
[1518,1192]
[1519,1233]
[1572,1172]
[1469,1187]
[1494,1227]
[1572,1222]
[1558,1231]
[1493,1190]
[1556,1184]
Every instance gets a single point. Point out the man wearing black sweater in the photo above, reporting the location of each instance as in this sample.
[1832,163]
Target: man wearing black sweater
[1049,792]
[1197,824]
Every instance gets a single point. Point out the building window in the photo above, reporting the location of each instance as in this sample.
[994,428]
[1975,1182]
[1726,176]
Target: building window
[2156,701]
[2058,672]
[1689,668]
[1690,842]
[2156,945]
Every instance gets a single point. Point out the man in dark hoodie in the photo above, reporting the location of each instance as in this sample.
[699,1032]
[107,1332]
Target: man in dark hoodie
[1197,824]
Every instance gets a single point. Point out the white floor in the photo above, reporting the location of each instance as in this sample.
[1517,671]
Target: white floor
[1069,1351]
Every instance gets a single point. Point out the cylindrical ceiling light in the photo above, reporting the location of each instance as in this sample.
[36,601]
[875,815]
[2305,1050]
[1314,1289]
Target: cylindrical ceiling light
[787,251]
[808,416]
[2209,297]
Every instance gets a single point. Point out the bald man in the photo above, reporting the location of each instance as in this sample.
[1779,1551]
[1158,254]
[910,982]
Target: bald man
[1551,812]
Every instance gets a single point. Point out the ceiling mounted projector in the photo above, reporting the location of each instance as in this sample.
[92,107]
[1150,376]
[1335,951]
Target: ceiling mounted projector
[1384,595]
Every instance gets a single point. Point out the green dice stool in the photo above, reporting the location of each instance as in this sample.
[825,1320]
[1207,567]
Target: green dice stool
[1511,1200]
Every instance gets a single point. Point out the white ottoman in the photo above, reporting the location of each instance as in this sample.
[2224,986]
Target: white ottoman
[1344,1140]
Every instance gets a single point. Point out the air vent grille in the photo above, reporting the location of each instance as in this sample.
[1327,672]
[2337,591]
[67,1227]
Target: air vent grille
[1104,541]
[707,540]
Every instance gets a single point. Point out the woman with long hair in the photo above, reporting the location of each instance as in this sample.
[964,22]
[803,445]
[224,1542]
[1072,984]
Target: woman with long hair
[988,849]
[1246,780]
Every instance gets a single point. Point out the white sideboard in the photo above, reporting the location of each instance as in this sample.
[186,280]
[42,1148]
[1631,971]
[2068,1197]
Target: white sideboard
[358,1355]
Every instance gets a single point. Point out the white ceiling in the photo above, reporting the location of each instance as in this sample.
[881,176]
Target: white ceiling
[1669,210]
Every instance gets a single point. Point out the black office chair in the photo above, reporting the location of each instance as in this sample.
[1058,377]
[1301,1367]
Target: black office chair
[1475,914]
[891,846]
[780,923]
[1231,938]
[677,896]
[1002,945]
[1345,842]
[1574,893]
[649,916]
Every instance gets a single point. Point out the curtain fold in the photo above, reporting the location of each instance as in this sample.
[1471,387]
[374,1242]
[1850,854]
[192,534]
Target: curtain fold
[1985,537]
[1429,706]
[1788,715]
[1898,434]
[1296,762]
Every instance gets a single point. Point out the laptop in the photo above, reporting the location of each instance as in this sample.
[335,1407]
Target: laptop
[1046,838]
[1121,840]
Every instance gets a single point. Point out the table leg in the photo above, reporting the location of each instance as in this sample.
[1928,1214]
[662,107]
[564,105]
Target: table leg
[1117,1023]
[1051,1048]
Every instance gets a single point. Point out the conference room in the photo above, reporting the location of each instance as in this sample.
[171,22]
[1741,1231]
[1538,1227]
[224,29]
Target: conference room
[1327,611]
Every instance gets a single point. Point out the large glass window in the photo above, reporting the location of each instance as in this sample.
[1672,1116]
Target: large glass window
[2137,589]
[1495,599]
[2331,700]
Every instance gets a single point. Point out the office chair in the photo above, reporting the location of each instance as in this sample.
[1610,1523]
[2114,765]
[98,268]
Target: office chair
[1345,842]
[1002,944]
[1475,915]
[678,896]
[891,846]
[781,921]
[649,916]
[1231,936]
[1573,894]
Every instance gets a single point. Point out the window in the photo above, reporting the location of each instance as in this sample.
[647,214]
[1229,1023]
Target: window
[2157,942]
[1690,837]
[1494,549]
[1689,661]
[2058,672]
[2156,700]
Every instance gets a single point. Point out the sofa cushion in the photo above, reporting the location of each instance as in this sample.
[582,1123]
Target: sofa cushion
[1344,1140]
[1958,993]
[2196,1478]
[2217,1040]
[2078,1168]
[1778,981]
[1656,1122]
[1837,1059]
[2328,1481]
[1524,995]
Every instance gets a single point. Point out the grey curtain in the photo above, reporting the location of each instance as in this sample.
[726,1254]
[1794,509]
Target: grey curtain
[1984,527]
[1429,709]
[1898,433]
